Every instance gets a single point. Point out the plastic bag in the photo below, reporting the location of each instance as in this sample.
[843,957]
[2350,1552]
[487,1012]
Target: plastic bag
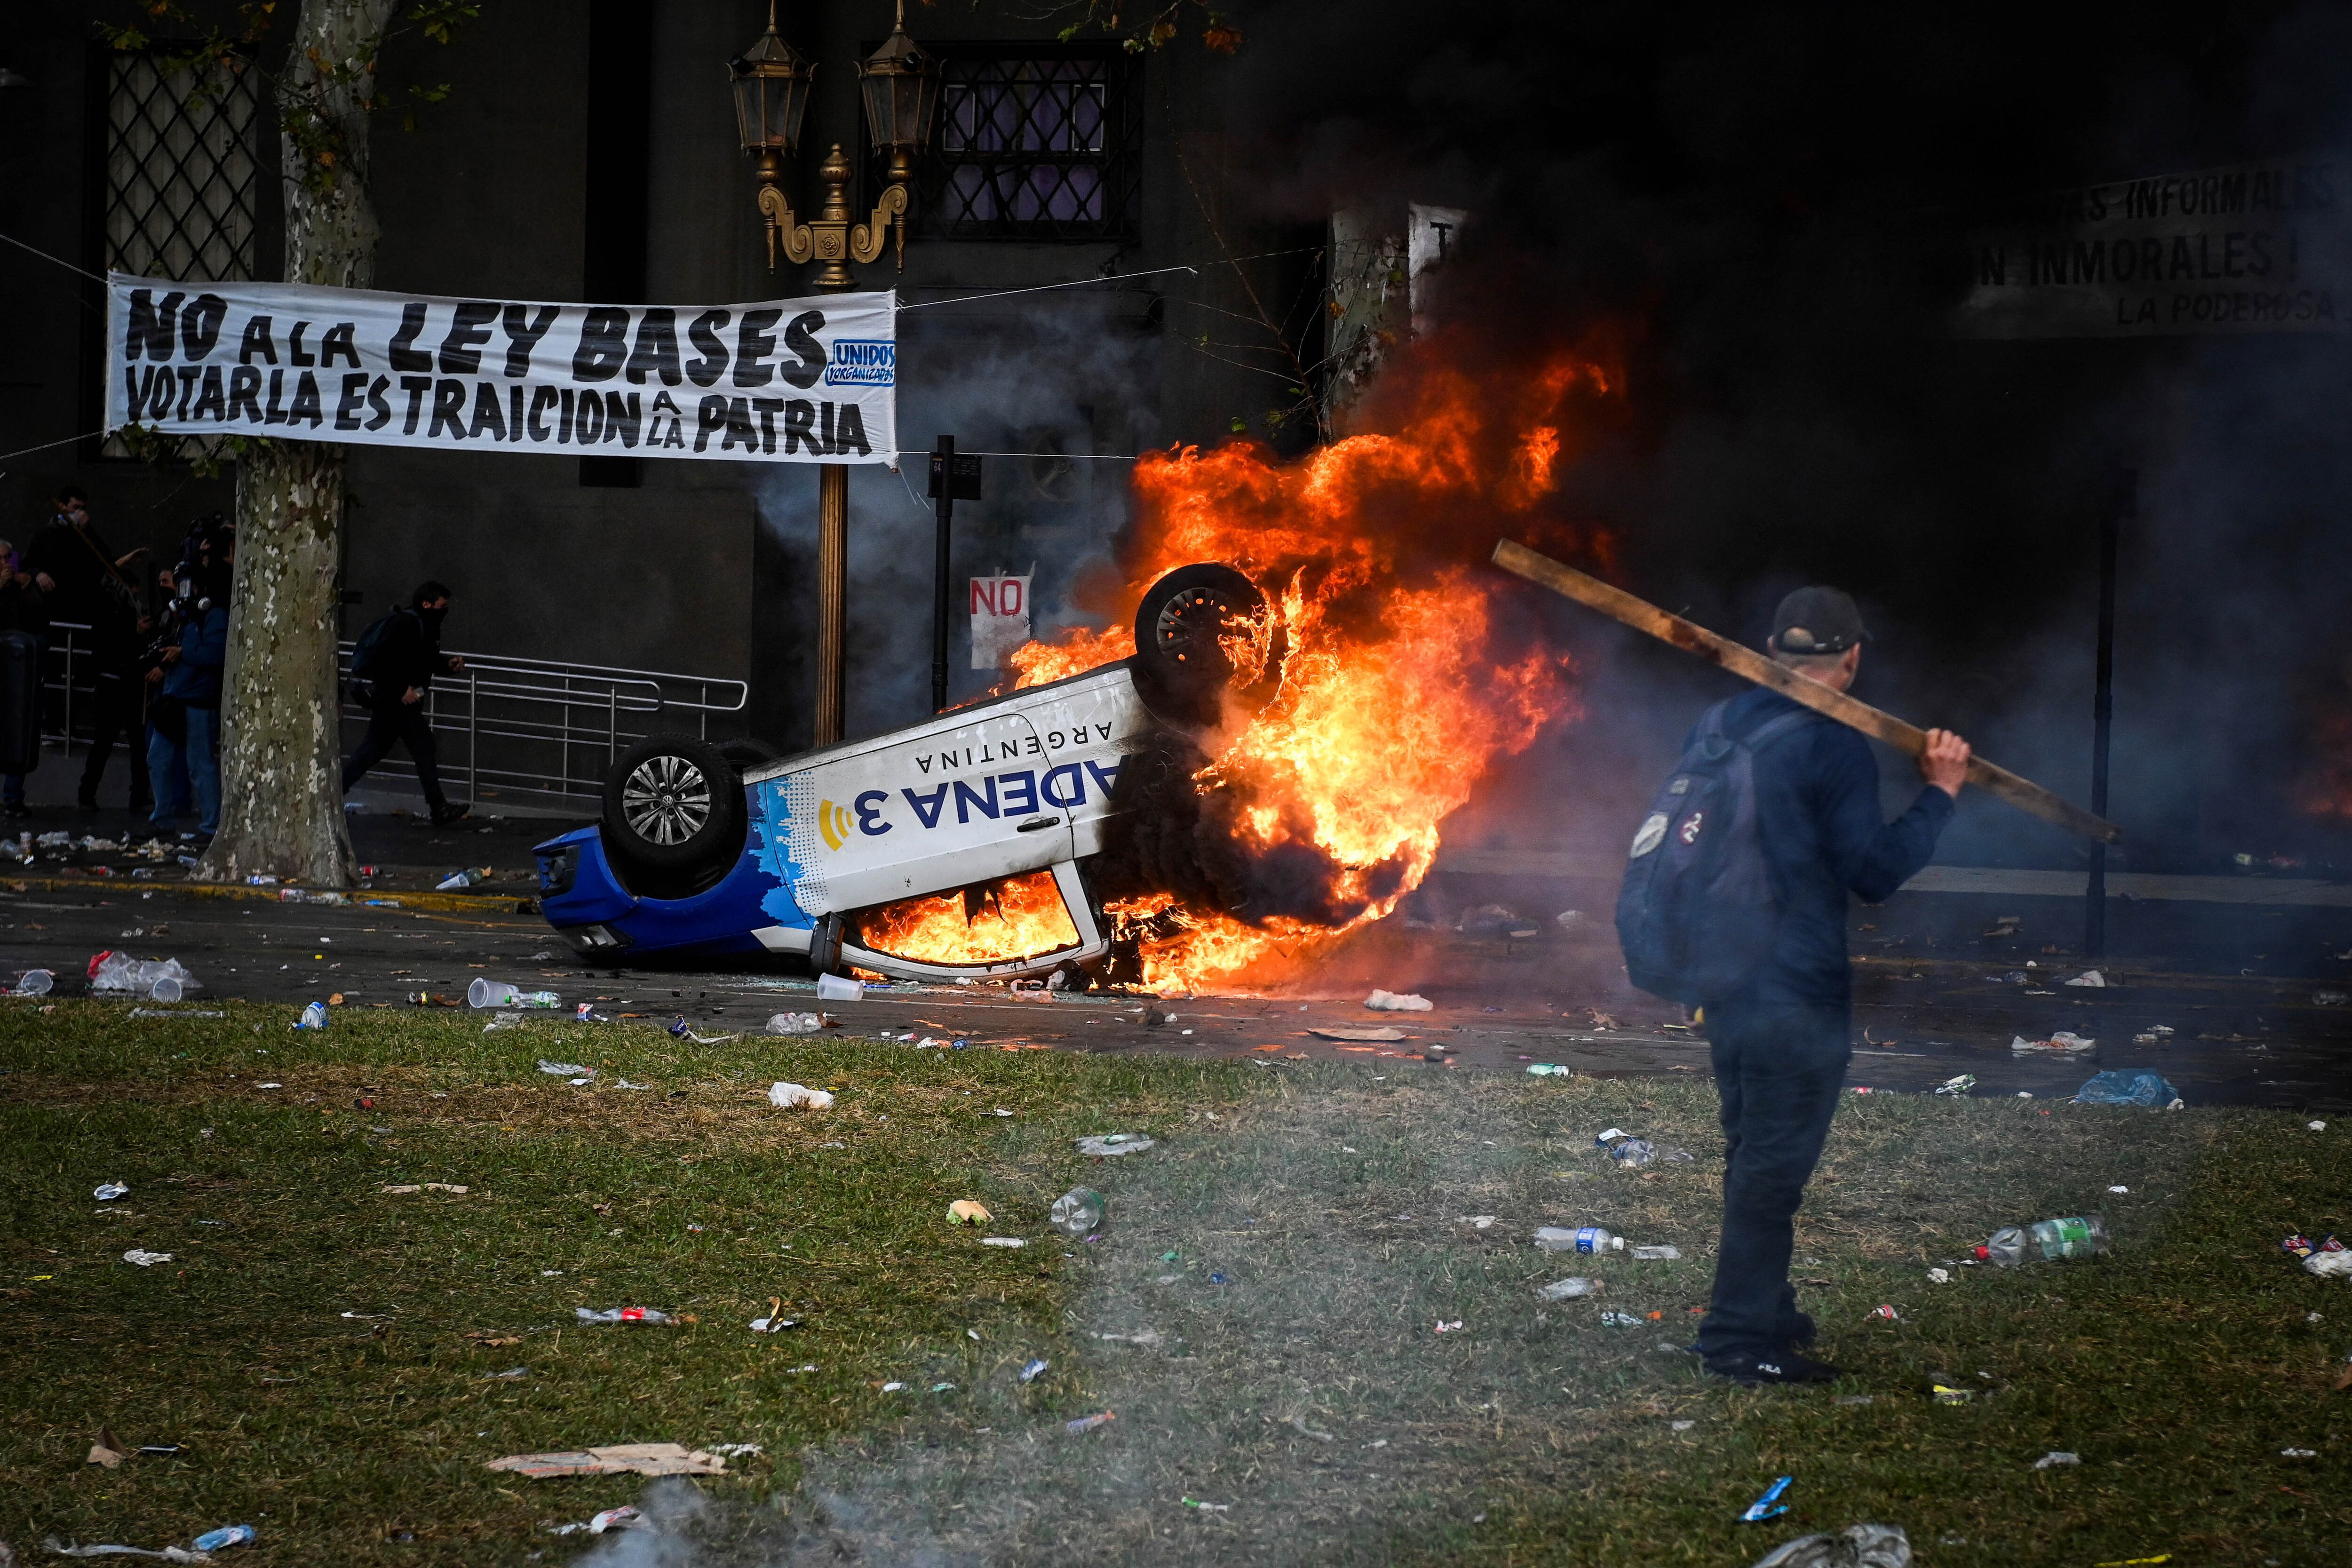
[2121,1088]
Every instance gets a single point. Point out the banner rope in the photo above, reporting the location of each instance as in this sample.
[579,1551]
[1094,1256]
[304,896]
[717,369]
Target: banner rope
[45,256]
[45,445]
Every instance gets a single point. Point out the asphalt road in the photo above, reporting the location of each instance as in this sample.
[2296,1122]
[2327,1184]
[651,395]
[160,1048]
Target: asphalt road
[1928,1006]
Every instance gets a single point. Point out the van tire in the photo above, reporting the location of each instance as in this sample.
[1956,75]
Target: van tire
[673,818]
[1180,672]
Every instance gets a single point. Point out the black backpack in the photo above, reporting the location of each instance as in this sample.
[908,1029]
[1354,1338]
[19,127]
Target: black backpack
[1696,913]
[367,658]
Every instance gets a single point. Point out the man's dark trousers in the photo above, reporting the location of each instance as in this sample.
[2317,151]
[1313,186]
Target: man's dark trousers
[1779,1067]
[115,711]
[401,723]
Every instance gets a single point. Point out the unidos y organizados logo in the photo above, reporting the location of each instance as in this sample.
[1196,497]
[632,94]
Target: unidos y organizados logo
[863,362]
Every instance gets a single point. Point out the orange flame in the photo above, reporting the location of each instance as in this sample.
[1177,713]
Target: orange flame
[1015,917]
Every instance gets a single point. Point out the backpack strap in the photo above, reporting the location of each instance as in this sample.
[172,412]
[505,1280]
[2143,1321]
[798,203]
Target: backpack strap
[1766,733]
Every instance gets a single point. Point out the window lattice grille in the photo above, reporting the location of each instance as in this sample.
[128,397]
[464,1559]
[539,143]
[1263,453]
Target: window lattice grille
[1041,143]
[182,175]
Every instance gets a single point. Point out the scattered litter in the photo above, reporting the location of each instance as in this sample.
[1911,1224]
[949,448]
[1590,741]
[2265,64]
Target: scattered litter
[1371,1036]
[2053,1459]
[796,1023]
[1633,1154]
[1657,1254]
[943,1388]
[146,1259]
[34,982]
[2119,1189]
[837,989]
[2063,1043]
[1476,1221]
[1857,1546]
[2328,999]
[107,1452]
[1109,1143]
[169,1554]
[506,1376]
[1568,1289]
[314,1016]
[459,881]
[1680,1426]
[1761,1510]
[1034,1370]
[565,1069]
[774,1322]
[1208,1507]
[2090,977]
[1088,1423]
[159,980]
[2317,1126]
[678,1031]
[1946,1395]
[622,1517]
[1939,1276]
[427,1188]
[1002,1241]
[485,994]
[623,1315]
[1076,1213]
[1958,1085]
[106,1192]
[2298,1453]
[1445,1328]
[1549,1070]
[623,1458]
[968,1211]
[799,1096]
[1389,1002]
[1620,1321]
[1299,1423]
[2128,1089]
[1885,1309]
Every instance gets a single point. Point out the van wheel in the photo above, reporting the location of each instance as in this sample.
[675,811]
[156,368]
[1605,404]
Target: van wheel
[674,817]
[1184,631]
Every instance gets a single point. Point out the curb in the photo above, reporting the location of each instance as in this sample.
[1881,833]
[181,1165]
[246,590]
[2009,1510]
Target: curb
[358,897]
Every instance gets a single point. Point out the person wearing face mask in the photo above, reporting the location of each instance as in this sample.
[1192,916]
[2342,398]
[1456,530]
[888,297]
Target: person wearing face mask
[392,667]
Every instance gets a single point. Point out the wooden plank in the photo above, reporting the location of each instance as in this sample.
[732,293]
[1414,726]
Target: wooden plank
[1746,662]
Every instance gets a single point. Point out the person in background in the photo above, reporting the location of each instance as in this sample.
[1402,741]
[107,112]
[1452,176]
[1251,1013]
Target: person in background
[393,667]
[85,580]
[188,679]
[22,609]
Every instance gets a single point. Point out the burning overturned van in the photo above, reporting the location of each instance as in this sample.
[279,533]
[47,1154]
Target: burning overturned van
[879,853]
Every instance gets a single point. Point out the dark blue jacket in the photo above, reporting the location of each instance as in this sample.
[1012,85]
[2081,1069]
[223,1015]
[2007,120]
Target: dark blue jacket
[1817,816]
[195,680]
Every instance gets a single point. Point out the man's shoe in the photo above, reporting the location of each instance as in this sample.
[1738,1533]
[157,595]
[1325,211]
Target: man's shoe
[443,815]
[1801,1331]
[1772,1366]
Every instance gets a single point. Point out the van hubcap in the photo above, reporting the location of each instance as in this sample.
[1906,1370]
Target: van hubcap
[665,800]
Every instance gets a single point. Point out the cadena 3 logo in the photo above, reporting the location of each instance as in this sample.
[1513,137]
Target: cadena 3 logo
[834,823]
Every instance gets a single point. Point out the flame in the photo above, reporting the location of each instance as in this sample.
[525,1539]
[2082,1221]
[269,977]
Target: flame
[1012,918]
[1398,693]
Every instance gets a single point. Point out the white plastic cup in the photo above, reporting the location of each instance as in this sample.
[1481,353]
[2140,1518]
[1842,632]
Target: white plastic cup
[167,988]
[34,982]
[837,988]
[485,993]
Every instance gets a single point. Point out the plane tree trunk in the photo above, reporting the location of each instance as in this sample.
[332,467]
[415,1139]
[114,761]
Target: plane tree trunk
[281,786]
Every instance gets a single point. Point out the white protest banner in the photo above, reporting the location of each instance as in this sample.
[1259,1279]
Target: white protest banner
[2256,248]
[1000,618]
[779,380]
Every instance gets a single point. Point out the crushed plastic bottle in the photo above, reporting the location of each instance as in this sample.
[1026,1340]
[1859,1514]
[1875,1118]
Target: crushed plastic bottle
[1657,1254]
[1570,1289]
[1633,1154]
[226,1536]
[487,993]
[1586,1238]
[314,1016]
[1078,1213]
[2083,1236]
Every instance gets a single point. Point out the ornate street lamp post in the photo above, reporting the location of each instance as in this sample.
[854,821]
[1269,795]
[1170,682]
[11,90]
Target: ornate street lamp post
[900,85]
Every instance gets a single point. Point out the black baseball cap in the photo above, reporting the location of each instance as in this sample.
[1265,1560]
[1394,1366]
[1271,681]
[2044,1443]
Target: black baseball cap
[1817,620]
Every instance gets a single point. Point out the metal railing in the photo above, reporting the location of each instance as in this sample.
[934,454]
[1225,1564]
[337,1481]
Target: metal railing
[556,729]
[532,725]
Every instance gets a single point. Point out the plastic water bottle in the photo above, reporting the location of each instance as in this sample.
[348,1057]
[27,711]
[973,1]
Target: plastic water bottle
[1593,1238]
[2082,1236]
[1078,1213]
[314,1016]
[487,993]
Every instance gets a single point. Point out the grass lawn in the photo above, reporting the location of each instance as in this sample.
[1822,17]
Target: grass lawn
[1260,1311]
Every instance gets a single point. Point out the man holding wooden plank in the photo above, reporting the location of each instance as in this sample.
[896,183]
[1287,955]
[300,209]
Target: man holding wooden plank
[1779,1037]
[1735,899]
